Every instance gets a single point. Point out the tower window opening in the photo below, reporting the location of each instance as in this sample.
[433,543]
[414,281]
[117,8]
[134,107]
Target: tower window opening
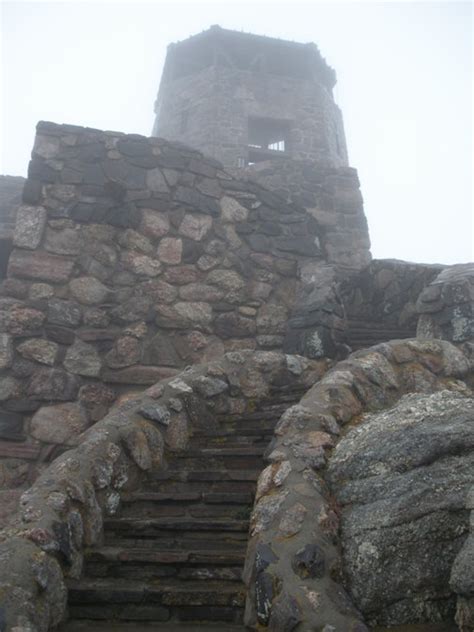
[266,136]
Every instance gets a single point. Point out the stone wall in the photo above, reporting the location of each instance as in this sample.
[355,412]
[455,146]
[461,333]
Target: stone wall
[318,325]
[133,258]
[446,305]
[332,196]
[214,82]
[64,511]
[381,300]
[294,571]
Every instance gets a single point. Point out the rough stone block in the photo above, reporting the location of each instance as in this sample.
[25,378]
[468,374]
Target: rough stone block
[59,424]
[53,384]
[30,223]
[39,265]
[39,350]
[6,351]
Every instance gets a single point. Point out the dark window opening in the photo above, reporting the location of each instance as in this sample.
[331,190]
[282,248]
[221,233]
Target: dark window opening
[266,138]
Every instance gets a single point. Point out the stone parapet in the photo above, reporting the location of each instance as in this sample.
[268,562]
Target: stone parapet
[446,305]
[294,570]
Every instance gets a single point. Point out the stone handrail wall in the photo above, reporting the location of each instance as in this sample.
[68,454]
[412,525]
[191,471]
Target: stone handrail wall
[63,512]
[293,568]
[133,258]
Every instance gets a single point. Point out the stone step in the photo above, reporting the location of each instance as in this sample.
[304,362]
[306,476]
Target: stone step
[220,474]
[166,592]
[235,429]
[184,509]
[191,563]
[99,626]
[158,526]
[237,462]
[170,486]
[157,614]
[141,571]
[203,541]
[178,555]
[208,497]
[230,441]
[218,451]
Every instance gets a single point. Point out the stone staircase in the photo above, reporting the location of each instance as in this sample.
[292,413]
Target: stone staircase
[363,334]
[174,554]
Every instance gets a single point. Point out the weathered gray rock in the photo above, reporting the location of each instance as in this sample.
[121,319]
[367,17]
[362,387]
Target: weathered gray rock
[30,223]
[126,351]
[62,312]
[6,351]
[88,290]
[209,386]
[195,226]
[40,350]
[196,314]
[156,412]
[60,424]
[24,321]
[170,250]
[402,477]
[140,264]
[309,562]
[66,240]
[232,210]
[154,224]
[155,181]
[53,384]
[83,359]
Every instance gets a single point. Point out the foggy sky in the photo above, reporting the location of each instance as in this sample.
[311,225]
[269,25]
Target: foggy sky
[404,86]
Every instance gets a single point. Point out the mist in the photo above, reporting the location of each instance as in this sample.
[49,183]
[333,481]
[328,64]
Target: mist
[404,87]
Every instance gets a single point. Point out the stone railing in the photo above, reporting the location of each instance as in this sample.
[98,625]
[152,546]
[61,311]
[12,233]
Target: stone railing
[63,512]
[293,567]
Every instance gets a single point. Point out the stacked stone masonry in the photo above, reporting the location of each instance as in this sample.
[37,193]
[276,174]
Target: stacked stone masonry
[63,513]
[131,259]
[241,98]
[295,574]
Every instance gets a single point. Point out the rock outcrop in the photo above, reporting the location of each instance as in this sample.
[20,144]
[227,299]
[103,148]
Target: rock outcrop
[402,477]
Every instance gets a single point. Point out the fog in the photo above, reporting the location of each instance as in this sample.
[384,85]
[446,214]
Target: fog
[404,86]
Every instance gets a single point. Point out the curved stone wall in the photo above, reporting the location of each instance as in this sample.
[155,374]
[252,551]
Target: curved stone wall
[63,512]
[294,570]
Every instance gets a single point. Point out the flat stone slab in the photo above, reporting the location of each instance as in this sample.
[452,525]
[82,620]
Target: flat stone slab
[93,626]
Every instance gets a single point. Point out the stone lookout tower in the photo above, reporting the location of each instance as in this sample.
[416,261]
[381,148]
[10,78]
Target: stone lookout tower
[244,98]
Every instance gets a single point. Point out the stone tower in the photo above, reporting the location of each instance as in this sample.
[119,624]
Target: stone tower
[244,98]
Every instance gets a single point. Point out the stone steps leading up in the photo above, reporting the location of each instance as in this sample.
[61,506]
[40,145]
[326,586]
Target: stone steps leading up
[362,334]
[175,552]
[156,600]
